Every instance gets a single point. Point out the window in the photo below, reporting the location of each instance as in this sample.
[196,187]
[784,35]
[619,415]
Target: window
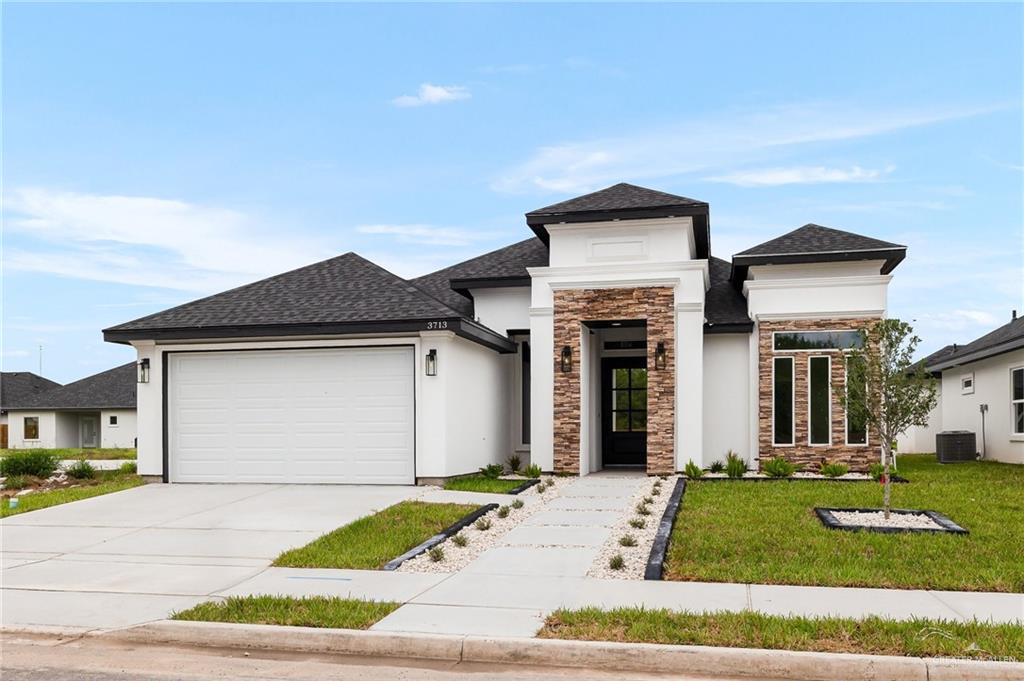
[967,384]
[819,400]
[817,340]
[856,428]
[113,420]
[524,389]
[31,427]
[782,394]
[629,400]
[1017,399]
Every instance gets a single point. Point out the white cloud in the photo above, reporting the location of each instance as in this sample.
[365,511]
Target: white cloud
[424,234]
[715,142]
[772,177]
[433,94]
[146,241]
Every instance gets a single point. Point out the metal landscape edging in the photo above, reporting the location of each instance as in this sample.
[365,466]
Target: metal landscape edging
[829,520]
[656,561]
[453,529]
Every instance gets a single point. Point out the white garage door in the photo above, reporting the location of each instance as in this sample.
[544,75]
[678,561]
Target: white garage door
[309,416]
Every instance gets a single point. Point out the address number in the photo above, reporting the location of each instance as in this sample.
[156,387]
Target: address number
[437,325]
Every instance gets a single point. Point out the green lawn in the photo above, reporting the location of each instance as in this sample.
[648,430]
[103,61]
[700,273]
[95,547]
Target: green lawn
[478,483]
[370,542]
[873,636]
[766,532]
[312,611]
[80,453]
[105,483]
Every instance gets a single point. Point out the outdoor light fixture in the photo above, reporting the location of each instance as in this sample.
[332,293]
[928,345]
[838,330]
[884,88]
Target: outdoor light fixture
[566,359]
[660,356]
[143,367]
[431,365]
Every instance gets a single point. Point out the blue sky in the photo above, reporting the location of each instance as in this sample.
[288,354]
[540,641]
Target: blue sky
[153,154]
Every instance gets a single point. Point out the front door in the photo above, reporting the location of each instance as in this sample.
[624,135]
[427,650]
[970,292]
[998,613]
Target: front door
[624,411]
[89,431]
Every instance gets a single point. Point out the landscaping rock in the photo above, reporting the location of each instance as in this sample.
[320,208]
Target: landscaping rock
[634,557]
[918,521]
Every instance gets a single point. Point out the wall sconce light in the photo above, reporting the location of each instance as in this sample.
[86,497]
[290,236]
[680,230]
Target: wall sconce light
[431,364]
[660,356]
[143,369]
[566,359]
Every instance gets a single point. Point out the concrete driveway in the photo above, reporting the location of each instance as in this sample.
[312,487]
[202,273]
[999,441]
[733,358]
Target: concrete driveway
[134,556]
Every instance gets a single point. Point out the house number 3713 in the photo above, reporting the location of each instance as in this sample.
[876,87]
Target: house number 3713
[437,325]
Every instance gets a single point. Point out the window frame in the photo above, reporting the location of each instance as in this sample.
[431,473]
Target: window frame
[1013,404]
[792,401]
[630,410]
[967,389]
[810,406]
[521,397]
[24,428]
[112,421]
[846,418]
[814,350]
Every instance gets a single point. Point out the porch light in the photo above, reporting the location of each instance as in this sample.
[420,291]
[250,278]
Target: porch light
[431,363]
[566,359]
[143,368]
[660,356]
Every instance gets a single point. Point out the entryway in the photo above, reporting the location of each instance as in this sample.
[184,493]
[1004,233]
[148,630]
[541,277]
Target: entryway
[624,412]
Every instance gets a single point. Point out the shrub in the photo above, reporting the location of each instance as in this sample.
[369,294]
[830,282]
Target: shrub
[436,554]
[514,463]
[779,468]
[482,524]
[735,467]
[518,503]
[876,470]
[541,488]
[492,471]
[834,469]
[17,482]
[36,462]
[643,509]
[638,523]
[128,468]
[717,466]
[532,471]
[617,562]
[627,540]
[460,540]
[656,490]
[81,470]
[503,511]
[693,471]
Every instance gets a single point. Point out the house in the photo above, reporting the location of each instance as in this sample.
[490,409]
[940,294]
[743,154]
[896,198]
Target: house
[16,388]
[921,439]
[611,337]
[97,411]
[983,390]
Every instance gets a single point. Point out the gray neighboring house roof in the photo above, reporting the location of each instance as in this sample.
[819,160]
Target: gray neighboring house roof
[939,354]
[1006,338]
[110,389]
[18,387]
[815,243]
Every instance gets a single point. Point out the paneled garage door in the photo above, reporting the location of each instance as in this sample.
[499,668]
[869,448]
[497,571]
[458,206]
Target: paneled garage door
[342,415]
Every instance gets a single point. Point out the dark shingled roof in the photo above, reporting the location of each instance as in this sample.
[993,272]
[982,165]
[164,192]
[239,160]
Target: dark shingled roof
[1004,339]
[941,353]
[622,196]
[110,389]
[18,387]
[813,238]
[344,289]
[725,307]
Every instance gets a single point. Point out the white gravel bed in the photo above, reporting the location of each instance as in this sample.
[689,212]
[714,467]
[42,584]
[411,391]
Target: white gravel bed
[634,557]
[917,521]
[458,557]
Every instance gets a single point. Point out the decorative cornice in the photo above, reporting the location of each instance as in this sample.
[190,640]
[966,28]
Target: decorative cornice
[819,314]
[816,282]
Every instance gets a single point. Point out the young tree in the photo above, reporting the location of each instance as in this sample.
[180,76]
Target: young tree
[885,390]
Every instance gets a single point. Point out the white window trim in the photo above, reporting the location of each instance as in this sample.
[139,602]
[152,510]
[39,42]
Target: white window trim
[114,423]
[967,390]
[517,395]
[1014,435]
[809,429]
[39,425]
[792,398]
[814,350]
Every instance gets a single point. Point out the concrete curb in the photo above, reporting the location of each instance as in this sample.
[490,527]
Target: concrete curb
[639,657]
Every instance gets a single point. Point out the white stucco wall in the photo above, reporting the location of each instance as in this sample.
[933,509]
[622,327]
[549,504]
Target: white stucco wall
[588,243]
[727,391]
[502,309]
[991,387]
[921,439]
[47,430]
[121,435]
[67,429]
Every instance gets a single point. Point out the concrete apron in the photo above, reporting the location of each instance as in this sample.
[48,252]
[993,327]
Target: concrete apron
[626,657]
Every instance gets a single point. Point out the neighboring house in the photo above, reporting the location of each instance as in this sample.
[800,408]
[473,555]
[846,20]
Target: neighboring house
[98,411]
[921,439]
[16,388]
[612,337]
[983,391]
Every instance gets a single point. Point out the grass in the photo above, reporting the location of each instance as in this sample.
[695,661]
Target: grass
[766,532]
[370,542]
[311,611]
[479,483]
[80,453]
[873,636]
[105,483]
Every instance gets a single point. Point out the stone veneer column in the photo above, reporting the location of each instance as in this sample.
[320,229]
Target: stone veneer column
[857,457]
[573,307]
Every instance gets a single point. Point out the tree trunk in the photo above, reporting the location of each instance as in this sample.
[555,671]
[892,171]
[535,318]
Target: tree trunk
[887,485]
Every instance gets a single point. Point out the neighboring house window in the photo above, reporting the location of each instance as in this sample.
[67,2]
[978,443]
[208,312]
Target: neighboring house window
[817,340]
[1017,399]
[856,429]
[967,384]
[782,394]
[31,427]
[819,400]
[524,387]
[113,420]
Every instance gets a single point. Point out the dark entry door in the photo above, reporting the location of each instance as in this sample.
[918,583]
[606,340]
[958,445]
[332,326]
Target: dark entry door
[624,411]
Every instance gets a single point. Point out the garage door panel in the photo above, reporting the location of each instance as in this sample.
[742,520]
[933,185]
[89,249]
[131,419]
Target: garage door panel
[314,416]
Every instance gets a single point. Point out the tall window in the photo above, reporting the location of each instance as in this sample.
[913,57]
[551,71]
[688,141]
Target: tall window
[629,400]
[856,429]
[524,389]
[31,427]
[782,394]
[1017,399]
[820,401]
